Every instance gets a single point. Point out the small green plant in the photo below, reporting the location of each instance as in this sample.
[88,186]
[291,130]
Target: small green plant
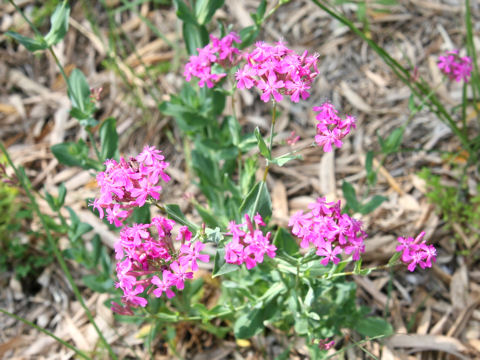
[458,209]
[25,255]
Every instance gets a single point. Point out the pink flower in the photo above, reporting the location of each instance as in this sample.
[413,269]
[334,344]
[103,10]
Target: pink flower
[270,87]
[277,71]
[180,274]
[163,286]
[329,231]
[416,252]
[184,234]
[248,246]
[218,52]
[292,139]
[331,129]
[329,253]
[97,205]
[143,257]
[244,77]
[455,67]
[149,156]
[130,297]
[191,255]
[115,215]
[127,184]
[298,88]
[234,252]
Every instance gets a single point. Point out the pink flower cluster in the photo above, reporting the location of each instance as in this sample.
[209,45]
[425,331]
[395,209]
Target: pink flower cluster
[127,184]
[324,344]
[416,252]
[454,66]
[151,264]
[278,70]
[331,129]
[248,245]
[218,51]
[330,231]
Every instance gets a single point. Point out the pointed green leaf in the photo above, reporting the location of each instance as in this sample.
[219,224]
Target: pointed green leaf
[204,10]
[375,202]
[79,94]
[220,267]
[109,139]
[373,327]
[283,159]
[262,146]
[30,44]
[257,200]
[174,213]
[285,242]
[59,24]
[350,196]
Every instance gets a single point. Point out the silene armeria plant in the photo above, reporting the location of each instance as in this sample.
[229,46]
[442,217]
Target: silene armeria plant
[270,275]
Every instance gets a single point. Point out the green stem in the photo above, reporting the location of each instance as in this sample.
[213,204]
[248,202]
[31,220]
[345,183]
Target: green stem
[46,332]
[270,141]
[471,46]
[34,28]
[375,268]
[418,87]
[26,185]
[94,145]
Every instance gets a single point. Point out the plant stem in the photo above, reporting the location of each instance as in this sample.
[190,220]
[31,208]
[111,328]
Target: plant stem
[45,331]
[270,141]
[25,183]
[375,268]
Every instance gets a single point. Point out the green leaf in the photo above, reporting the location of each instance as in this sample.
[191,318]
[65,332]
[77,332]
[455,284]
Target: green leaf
[206,215]
[286,242]
[262,146]
[30,44]
[70,153]
[301,324]
[310,297]
[174,213]
[248,324]
[371,175]
[372,204]
[79,94]
[394,258]
[392,143]
[283,159]
[257,200]
[184,13]
[251,323]
[373,327]
[50,201]
[261,12]
[75,154]
[109,139]
[248,35]
[233,129]
[220,267]
[204,10]
[358,267]
[351,196]
[214,235]
[195,36]
[62,191]
[59,24]
[141,215]
[99,283]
